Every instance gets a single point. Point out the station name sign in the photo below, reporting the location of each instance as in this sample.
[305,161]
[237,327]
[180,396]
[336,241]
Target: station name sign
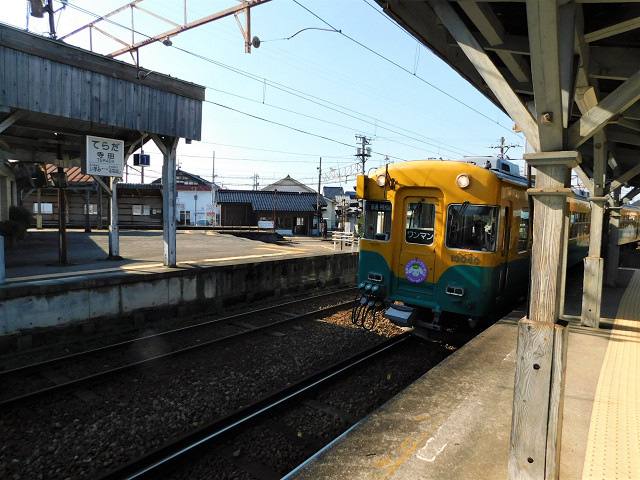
[103,156]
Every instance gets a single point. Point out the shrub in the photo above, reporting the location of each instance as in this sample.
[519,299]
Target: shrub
[12,231]
[21,215]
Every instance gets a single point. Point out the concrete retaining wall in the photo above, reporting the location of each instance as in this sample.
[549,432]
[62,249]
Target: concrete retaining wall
[120,298]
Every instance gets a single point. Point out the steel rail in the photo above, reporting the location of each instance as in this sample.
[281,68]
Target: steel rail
[55,362]
[168,457]
[98,377]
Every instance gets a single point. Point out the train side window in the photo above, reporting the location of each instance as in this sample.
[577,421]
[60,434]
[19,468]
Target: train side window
[421,218]
[472,227]
[523,231]
[377,220]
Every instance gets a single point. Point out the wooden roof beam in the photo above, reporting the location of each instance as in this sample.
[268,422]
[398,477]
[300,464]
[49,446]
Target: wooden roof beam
[492,29]
[542,20]
[613,63]
[597,117]
[619,22]
[490,74]
[624,178]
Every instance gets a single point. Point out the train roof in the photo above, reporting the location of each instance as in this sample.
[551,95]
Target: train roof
[503,168]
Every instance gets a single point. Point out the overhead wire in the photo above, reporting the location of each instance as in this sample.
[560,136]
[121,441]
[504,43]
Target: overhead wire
[401,67]
[440,147]
[304,95]
[310,98]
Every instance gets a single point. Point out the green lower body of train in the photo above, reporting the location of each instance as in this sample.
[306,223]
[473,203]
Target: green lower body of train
[471,291]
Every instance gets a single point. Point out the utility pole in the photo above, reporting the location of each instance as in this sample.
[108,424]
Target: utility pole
[504,148]
[213,186]
[364,152]
[319,213]
[275,207]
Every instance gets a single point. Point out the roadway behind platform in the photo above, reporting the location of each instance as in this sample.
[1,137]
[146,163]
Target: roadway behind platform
[37,255]
[455,421]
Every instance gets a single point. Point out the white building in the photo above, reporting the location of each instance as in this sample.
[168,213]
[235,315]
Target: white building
[195,203]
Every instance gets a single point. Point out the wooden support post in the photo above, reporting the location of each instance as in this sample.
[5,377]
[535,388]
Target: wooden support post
[536,426]
[593,268]
[87,217]
[550,204]
[168,147]
[593,264]
[564,253]
[99,190]
[613,249]
[592,291]
[62,222]
[39,214]
[3,277]
[114,229]
[541,351]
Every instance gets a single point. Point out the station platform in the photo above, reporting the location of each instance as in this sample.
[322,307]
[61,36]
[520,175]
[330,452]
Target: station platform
[142,251]
[455,421]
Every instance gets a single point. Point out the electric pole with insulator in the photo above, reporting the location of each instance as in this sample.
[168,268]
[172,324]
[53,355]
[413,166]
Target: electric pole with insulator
[363,152]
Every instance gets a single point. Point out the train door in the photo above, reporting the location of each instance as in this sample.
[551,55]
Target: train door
[415,267]
[504,251]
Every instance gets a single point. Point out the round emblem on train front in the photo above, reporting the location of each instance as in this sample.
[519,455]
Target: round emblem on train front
[416,271]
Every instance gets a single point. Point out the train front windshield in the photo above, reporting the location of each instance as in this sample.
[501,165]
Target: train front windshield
[377,220]
[472,227]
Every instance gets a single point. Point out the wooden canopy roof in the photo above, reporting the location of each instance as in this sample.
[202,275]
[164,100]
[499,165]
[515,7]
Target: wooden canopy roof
[53,94]
[575,64]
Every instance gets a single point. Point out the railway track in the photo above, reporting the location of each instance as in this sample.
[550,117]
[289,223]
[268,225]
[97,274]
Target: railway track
[173,455]
[98,365]
[109,424]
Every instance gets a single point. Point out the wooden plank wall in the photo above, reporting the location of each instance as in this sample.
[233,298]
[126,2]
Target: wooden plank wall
[37,84]
[76,208]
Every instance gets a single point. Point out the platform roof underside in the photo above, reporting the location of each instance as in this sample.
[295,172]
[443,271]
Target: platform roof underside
[54,94]
[577,61]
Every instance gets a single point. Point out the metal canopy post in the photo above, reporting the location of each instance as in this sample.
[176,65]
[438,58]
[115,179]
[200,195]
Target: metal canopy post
[168,147]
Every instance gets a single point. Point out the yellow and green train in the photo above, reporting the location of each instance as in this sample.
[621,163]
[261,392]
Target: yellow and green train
[448,237]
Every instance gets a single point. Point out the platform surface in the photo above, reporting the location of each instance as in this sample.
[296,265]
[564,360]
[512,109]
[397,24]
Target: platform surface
[455,421]
[37,256]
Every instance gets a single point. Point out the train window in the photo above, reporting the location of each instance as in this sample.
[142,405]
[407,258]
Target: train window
[377,220]
[472,227]
[421,219]
[523,231]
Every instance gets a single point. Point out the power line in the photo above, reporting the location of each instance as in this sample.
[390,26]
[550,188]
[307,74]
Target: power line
[289,127]
[401,67]
[306,96]
[439,147]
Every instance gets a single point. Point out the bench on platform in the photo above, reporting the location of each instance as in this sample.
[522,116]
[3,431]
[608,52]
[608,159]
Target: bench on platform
[344,238]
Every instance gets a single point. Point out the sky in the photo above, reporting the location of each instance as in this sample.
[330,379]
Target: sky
[326,72]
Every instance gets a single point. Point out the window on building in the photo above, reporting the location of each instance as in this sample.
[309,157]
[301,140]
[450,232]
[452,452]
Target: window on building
[93,209]
[140,210]
[45,208]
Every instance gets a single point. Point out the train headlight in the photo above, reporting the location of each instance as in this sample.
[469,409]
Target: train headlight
[381,180]
[463,180]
